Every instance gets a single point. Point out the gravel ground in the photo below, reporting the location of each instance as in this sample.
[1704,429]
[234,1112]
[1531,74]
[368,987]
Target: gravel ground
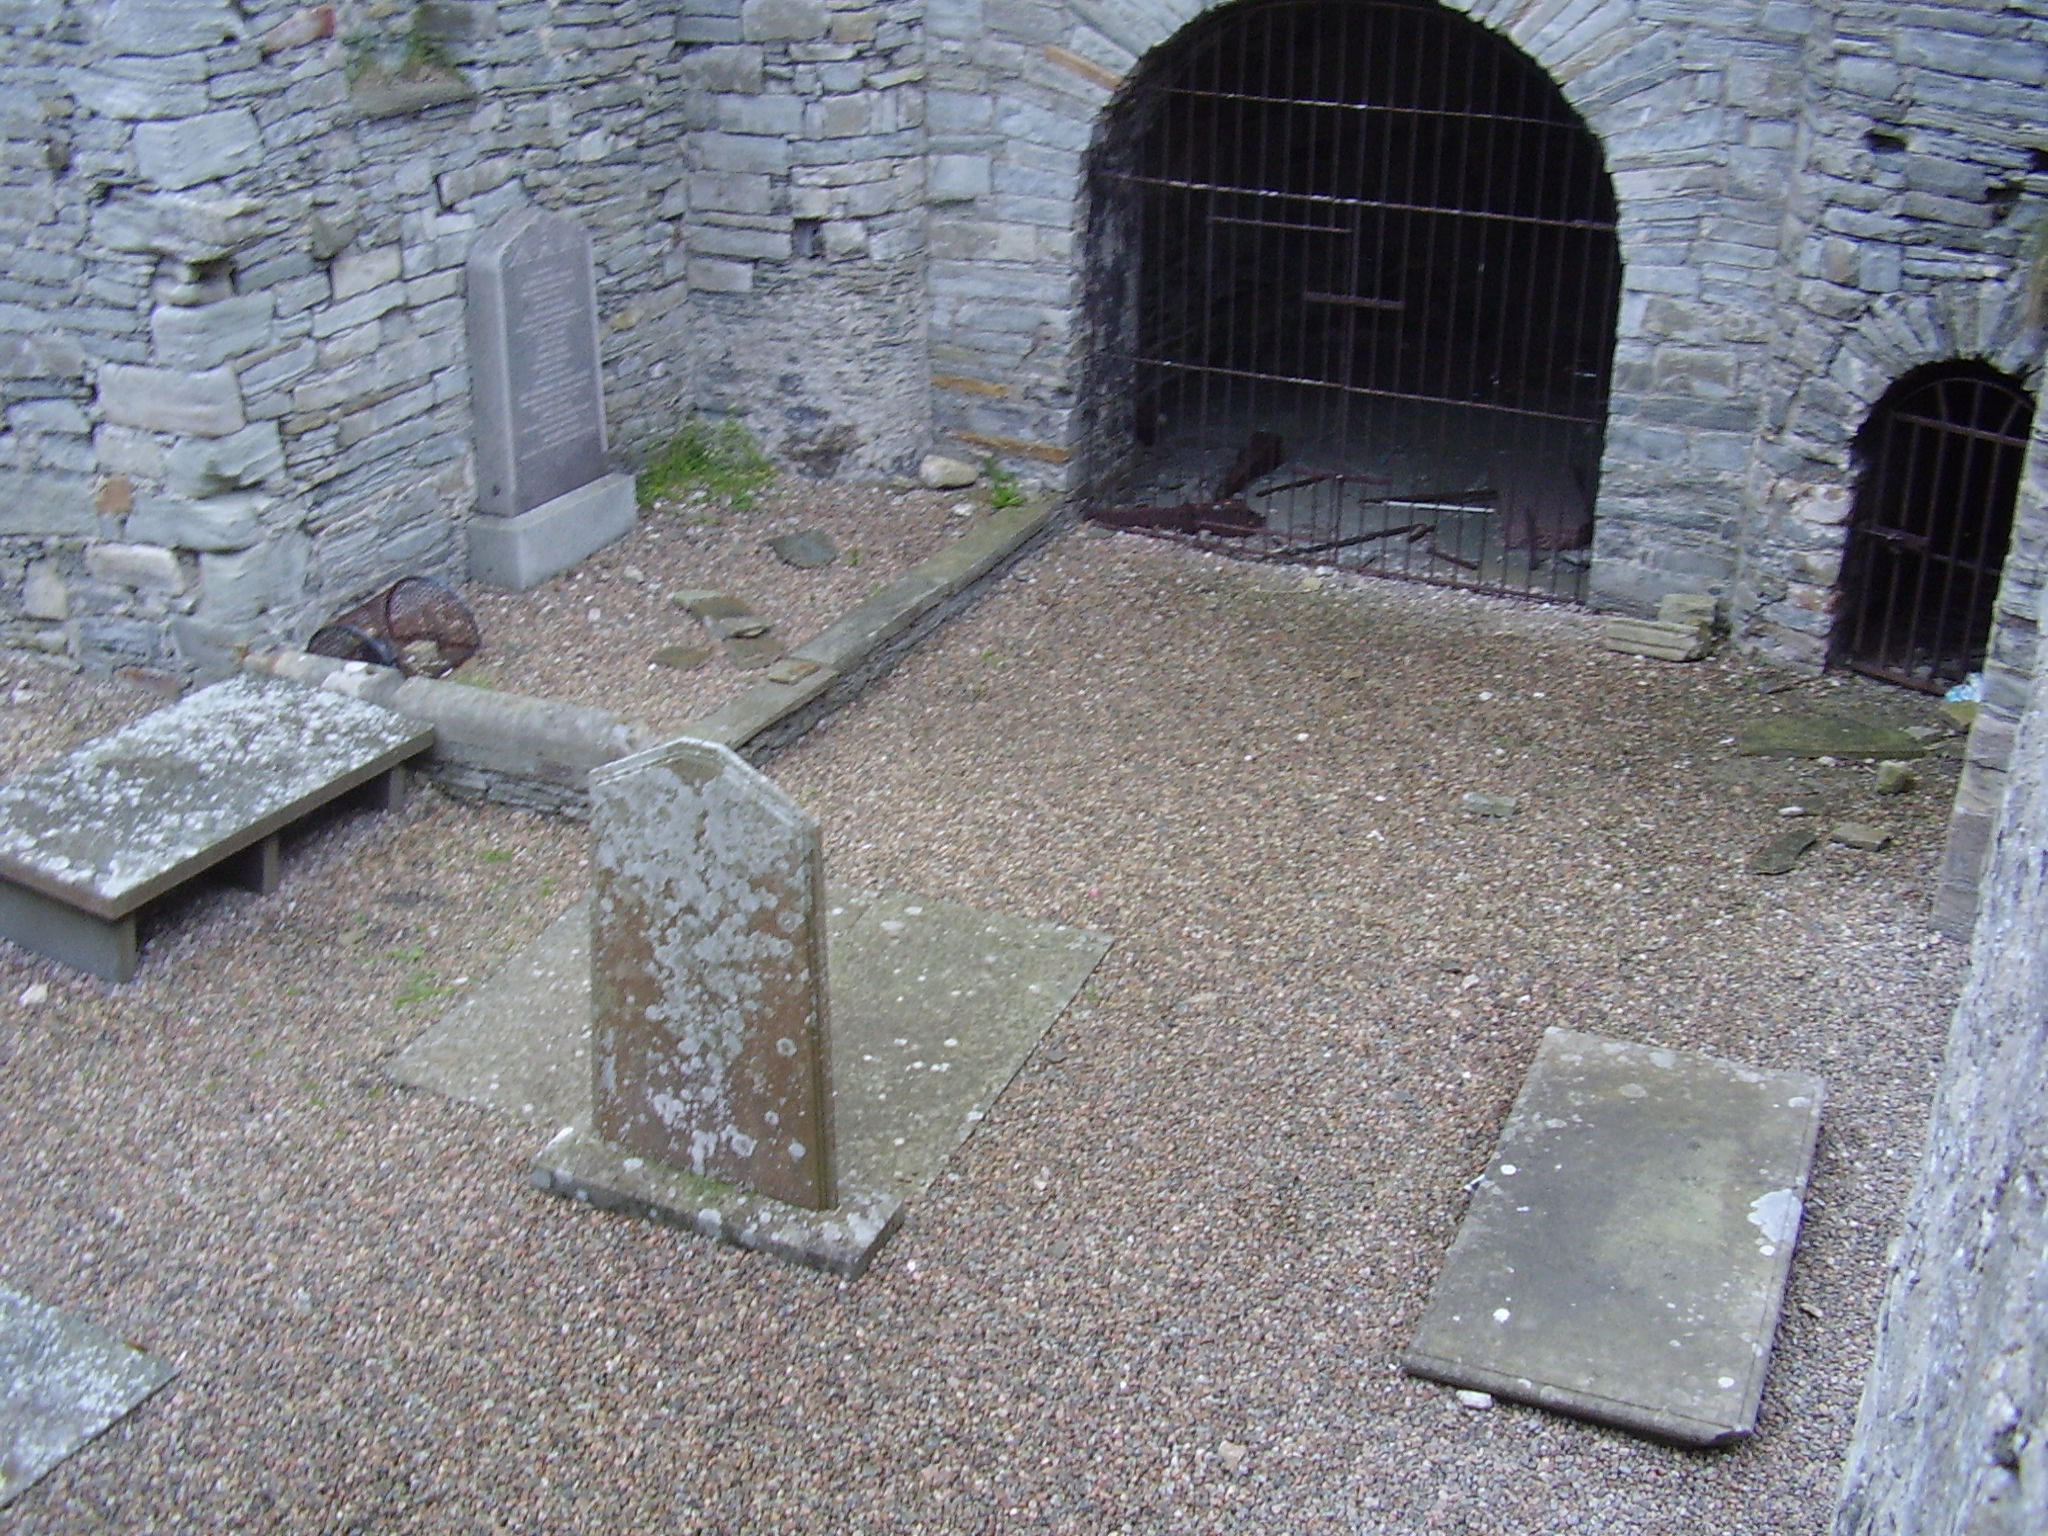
[587,637]
[1164,1286]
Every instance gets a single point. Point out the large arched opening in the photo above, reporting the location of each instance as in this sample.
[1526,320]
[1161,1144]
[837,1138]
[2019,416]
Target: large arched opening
[1353,281]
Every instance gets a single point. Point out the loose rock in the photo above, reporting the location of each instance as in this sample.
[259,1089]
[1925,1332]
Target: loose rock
[939,473]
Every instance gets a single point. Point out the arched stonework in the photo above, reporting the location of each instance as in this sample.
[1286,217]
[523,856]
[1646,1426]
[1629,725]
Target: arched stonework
[1804,484]
[1699,151]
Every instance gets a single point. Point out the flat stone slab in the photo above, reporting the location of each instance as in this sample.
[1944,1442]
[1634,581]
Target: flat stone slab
[934,1007]
[127,817]
[1824,736]
[1625,1253]
[87,840]
[62,1381]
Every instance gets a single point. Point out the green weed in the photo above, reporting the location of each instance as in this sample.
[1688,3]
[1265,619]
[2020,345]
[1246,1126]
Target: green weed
[718,460]
[420,987]
[1004,489]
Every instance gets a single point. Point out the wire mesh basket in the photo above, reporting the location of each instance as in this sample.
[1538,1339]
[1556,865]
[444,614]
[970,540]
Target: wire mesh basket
[417,624]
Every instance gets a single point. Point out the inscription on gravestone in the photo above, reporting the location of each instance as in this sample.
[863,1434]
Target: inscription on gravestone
[535,383]
[707,973]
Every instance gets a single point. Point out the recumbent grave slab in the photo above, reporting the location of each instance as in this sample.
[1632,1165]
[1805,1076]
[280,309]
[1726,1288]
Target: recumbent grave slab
[89,840]
[1625,1254]
[545,495]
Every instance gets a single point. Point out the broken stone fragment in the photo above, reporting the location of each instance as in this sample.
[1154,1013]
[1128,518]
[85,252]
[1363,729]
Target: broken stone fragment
[1480,803]
[1824,736]
[809,550]
[682,657]
[1895,778]
[1658,640]
[1860,835]
[1782,852]
[939,473]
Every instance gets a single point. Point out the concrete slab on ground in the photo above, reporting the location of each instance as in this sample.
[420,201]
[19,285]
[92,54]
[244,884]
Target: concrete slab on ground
[63,1380]
[934,1007]
[1625,1253]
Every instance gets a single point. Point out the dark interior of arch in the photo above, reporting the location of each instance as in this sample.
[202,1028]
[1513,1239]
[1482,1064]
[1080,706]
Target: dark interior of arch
[1377,232]
[1938,472]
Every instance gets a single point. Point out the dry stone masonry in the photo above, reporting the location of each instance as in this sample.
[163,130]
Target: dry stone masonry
[235,246]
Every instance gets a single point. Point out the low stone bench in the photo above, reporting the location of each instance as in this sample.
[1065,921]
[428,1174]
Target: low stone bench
[89,840]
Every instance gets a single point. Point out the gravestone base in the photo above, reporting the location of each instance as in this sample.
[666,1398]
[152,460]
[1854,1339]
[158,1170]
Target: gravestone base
[515,553]
[934,1008]
[580,1165]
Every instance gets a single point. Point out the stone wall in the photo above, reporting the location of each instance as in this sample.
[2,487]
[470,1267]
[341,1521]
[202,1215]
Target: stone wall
[806,226]
[231,328]
[232,233]
[1953,1432]
[1920,173]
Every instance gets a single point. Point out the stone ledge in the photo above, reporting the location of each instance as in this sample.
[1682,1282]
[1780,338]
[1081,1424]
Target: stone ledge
[538,754]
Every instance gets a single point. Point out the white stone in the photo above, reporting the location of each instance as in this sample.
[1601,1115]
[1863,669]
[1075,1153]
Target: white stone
[146,567]
[206,403]
[939,473]
[43,593]
[182,154]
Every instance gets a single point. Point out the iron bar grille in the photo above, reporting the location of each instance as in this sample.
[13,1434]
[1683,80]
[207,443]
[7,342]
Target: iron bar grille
[1374,233]
[1941,460]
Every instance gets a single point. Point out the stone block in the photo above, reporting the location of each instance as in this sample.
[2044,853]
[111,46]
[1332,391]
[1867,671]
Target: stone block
[210,466]
[176,155]
[519,552]
[357,271]
[748,153]
[242,584]
[1663,641]
[145,567]
[199,403]
[49,356]
[204,336]
[44,594]
[730,70]
[767,115]
[40,417]
[727,192]
[708,276]
[159,28]
[191,226]
[782,21]
[46,506]
[216,525]
[958,178]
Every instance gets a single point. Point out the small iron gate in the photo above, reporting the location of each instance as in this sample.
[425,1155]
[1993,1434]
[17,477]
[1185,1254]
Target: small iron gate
[1354,289]
[1942,456]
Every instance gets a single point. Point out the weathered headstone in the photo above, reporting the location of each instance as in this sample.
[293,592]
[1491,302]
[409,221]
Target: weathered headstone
[543,489]
[708,1012]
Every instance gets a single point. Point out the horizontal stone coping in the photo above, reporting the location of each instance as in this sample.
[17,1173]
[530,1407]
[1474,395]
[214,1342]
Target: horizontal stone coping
[133,814]
[523,737]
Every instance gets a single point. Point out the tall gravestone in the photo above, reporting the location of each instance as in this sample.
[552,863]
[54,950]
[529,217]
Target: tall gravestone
[707,972]
[545,499]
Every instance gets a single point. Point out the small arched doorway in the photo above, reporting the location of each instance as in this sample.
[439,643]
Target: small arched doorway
[1353,270]
[1939,464]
